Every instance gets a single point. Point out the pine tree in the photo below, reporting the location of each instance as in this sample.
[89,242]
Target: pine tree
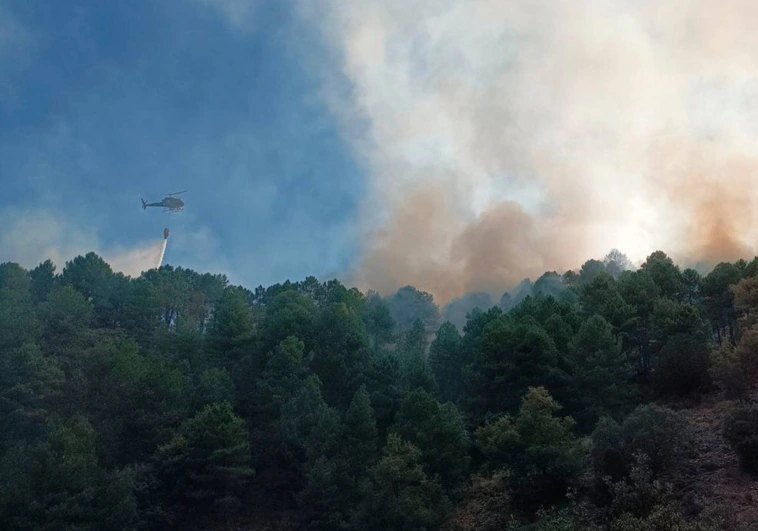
[404,495]
[439,432]
[538,448]
[360,432]
[207,462]
[600,380]
[43,278]
[446,361]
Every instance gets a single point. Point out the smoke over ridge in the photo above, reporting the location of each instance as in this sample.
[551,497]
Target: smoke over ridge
[505,138]
[134,262]
[32,236]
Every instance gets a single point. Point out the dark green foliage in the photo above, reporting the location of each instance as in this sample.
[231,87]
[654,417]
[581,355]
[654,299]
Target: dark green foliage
[638,288]
[215,386]
[29,383]
[540,308]
[65,315]
[15,282]
[174,299]
[313,432]
[682,352]
[559,331]
[414,363]
[718,299]
[640,291]
[379,322]
[665,274]
[132,399]
[438,431]
[601,296]
[590,270]
[232,327]
[510,358]
[285,372]
[413,341]
[538,448]
[751,268]
[282,380]
[361,437]
[57,482]
[662,435]
[206,464]
[671,318]
[43,278]
[682,366]
[692,281]
[288,314]
[741,430]
[308,423]
[418,374]
[747,351]
[383,379]
[147,403]
[321,500]
[410,304]
[341,352]
[405,497]
[18,322]
[600,382]
[729,373]
[447,361]
[91,276]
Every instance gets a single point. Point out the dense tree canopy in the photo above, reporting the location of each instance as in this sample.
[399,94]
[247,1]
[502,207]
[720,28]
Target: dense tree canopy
[177,401]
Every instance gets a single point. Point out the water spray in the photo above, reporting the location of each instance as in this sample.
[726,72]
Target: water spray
[163,248]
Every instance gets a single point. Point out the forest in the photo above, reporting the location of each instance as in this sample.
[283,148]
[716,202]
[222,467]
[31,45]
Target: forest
[176,400]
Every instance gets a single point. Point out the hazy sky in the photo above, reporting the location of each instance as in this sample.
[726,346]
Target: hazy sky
[456,145]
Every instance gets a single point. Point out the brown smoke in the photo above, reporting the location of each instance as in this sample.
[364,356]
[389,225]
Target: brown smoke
[406,247]
[715,191]
[506,138]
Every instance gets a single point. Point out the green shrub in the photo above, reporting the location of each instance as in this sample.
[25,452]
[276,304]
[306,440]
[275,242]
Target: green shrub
[682,366]
[729,372]
[741,430]
[661,434]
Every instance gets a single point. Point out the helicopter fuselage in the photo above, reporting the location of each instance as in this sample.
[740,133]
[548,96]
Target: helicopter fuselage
[169,203]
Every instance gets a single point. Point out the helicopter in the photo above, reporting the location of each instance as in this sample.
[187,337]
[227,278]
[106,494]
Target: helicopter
[169,203]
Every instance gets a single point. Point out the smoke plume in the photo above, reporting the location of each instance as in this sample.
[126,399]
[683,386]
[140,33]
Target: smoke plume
[134,262]
[506,138]
[29,237]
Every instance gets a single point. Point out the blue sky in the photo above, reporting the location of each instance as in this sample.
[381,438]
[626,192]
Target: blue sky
[106,102]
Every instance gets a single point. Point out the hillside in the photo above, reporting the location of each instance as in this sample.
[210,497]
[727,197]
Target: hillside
[714,477]
[604,399]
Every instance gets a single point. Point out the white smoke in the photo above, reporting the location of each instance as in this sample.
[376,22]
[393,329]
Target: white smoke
[134,262]
[509,137]
[29,237]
